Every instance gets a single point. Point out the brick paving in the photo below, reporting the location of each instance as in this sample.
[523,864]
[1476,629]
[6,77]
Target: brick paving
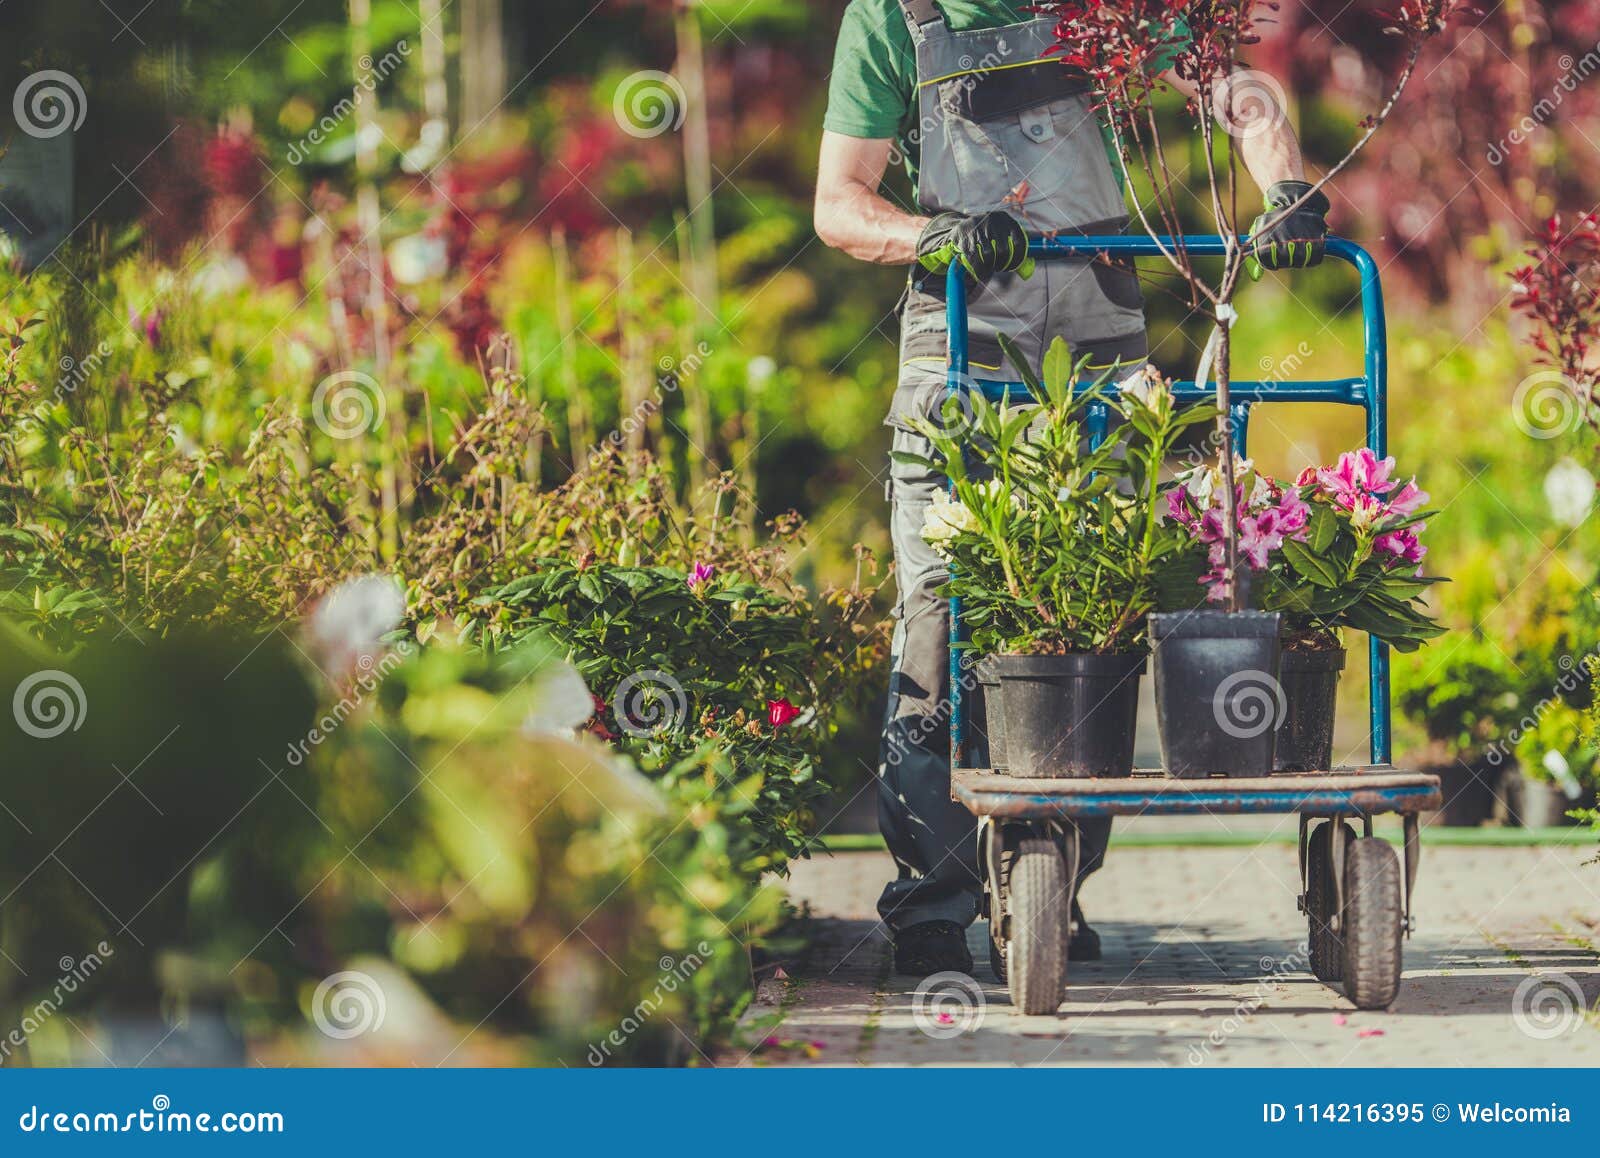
[1202,967]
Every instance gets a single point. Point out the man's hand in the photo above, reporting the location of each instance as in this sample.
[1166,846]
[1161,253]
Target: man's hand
[985,245]
[1291,240]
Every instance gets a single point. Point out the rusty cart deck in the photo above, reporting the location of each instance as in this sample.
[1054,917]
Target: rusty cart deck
[1359,791]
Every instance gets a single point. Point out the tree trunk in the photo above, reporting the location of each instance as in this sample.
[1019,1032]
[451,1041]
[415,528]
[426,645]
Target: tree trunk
[482,62]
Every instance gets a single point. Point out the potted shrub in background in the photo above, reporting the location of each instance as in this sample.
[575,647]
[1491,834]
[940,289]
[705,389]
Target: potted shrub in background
[1056,552]
[1337,548]
[1555,770]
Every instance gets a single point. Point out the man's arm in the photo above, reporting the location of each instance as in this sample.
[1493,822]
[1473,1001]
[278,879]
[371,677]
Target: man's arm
[851,214]
[1270,150]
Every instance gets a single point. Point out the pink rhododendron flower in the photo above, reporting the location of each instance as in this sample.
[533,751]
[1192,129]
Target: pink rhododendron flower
[1259,535]
[1408,500]
[701,576]
[1358,472]
[1402,544]
[780,712]
[1294,513]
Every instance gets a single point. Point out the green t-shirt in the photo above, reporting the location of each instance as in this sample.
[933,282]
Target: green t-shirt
[873,91]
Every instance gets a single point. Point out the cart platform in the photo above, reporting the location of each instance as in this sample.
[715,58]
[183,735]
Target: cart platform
[1364,790]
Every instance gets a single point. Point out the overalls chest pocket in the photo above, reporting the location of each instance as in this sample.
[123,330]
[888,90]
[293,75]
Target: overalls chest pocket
[1029,133]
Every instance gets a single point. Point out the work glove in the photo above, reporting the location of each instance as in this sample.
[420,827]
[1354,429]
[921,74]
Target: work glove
[1295,239]
[985,245]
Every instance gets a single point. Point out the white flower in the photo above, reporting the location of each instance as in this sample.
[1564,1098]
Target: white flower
[417,259]
[946,519]
[564,702]
[347,626]
[1569,489]
[1147,388]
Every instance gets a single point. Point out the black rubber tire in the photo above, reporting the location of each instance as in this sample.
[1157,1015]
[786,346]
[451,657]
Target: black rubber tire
[1373,915]
[1036,949]
[1326,947]
[997,961]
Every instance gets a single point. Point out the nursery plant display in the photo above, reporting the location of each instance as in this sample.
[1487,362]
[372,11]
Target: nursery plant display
[1112,45]
[1057,549]
[1338,548]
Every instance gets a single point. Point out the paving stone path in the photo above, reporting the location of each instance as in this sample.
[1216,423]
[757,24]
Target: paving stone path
[1203,966]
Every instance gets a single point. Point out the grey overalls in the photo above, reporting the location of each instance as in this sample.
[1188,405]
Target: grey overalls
[1001,126]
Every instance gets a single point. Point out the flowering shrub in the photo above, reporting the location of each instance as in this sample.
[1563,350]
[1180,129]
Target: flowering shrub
[697,678]
[1339,547]
[1054,547]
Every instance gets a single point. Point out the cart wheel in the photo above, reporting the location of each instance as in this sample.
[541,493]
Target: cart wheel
[997,960]
[1373,916]
[1040,898]
[1327,947]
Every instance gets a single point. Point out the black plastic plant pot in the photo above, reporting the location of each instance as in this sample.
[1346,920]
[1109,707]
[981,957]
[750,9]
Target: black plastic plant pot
[1218,700]
[987,720]
[1070,716]
[1310,681]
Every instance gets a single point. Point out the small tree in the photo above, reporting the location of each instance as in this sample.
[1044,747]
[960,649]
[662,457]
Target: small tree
[1119,46]
[1559,290]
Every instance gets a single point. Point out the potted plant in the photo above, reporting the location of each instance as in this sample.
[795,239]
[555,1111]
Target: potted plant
[1555,769]
[1340,547]
[1056,551]
[1213,666]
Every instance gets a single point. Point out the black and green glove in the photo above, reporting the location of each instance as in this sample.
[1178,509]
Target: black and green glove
[985,245]
[1291,240]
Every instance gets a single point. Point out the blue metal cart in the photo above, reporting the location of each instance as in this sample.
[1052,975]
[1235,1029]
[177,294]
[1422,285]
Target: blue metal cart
[1355,894]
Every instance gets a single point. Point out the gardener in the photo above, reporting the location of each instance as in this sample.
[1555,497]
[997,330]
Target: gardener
[1000,138]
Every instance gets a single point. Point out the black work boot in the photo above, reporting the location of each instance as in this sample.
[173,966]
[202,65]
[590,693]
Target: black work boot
[1085,942]
[932,947]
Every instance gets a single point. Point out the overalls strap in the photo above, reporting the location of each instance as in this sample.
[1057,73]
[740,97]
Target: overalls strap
[921,13]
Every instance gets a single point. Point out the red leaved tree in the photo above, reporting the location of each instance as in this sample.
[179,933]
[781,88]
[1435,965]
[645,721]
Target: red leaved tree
[1118,46]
